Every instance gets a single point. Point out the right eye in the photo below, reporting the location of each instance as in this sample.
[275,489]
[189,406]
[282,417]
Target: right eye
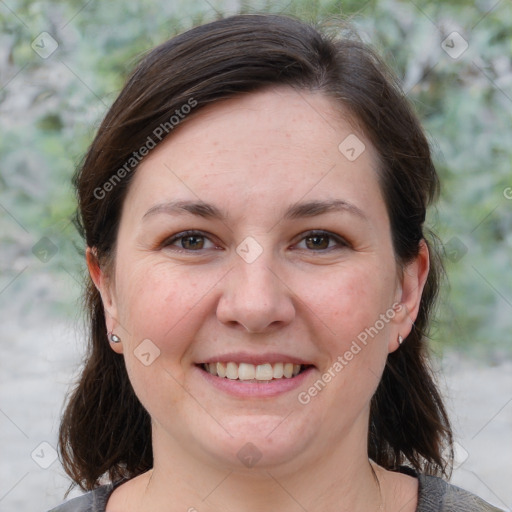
[192,241]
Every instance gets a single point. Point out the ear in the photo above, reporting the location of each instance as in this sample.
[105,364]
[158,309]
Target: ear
[104,286]
[412,282]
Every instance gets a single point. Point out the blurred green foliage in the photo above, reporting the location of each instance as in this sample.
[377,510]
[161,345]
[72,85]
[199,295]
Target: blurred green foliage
[50,108]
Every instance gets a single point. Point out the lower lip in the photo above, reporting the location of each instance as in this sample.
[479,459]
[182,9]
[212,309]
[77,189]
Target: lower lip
[255,389]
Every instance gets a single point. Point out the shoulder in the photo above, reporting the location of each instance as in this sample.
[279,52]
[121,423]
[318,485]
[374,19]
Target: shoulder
[92,501]
[436,495]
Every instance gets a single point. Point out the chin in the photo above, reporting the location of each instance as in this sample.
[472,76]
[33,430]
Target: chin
[258,442]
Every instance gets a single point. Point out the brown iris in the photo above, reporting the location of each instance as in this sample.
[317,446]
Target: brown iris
[318,242]
[192,242]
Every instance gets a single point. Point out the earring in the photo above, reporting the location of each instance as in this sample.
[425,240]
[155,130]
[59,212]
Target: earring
[400,340]
[113,338]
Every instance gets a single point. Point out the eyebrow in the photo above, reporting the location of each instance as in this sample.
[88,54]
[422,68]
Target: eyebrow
[313,208]
[299,210]
[180,207]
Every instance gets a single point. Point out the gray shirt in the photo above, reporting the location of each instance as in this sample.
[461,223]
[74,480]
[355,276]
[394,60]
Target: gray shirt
[434,495]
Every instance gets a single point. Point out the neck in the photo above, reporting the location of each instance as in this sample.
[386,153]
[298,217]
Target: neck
[340,479]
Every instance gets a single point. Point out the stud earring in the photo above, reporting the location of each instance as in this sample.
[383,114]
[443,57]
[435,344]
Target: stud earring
[400,340]
[113,338]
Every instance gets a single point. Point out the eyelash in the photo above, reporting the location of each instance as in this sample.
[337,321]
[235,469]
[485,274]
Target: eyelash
[341,242]
[185,234]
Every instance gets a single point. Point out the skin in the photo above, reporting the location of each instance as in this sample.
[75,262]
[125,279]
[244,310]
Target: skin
[254,157]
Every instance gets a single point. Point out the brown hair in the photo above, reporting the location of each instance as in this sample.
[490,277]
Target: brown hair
[105,431]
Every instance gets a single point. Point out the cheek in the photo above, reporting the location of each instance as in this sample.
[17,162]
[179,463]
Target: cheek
[350,300]
[167,305]
[164,302]
[354,340]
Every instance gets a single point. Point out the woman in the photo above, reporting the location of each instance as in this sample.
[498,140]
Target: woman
[261,286]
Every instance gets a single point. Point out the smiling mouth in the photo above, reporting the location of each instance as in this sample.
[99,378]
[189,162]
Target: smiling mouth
[248,372]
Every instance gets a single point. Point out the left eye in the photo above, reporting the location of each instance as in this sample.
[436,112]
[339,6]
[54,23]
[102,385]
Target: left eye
[320,241]
[190,241]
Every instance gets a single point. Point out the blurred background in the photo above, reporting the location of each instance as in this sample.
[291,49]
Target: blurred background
[62,63]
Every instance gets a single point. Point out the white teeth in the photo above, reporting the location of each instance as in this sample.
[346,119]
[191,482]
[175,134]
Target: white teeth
[246,371]
[250,372]
[232,371]
[221,369]
[264,372]
[278,370]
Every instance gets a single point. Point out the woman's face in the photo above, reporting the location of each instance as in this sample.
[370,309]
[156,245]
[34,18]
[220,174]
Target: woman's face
[257,236]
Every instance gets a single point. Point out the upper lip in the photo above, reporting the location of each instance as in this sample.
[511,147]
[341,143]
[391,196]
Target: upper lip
[256,359]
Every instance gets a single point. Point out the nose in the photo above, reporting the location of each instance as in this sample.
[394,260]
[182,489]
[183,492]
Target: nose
[255,298]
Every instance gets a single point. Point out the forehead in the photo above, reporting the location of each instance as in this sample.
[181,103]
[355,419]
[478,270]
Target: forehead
[258,149]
